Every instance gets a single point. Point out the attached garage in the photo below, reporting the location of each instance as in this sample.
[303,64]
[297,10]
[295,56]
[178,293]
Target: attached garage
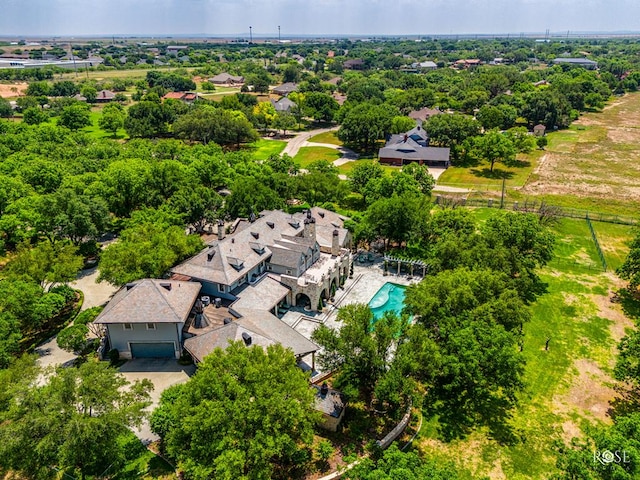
[153,350]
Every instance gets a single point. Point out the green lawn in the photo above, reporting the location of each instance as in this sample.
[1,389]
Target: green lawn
[94,131]
[143,464]
[264,148]
[307,155]
[326,137]
[560,397]
[479,176]
[614,241]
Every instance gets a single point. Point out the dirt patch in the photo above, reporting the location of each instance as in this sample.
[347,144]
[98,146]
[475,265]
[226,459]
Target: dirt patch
[570,430]
[589,392]
[9,90]
[613,312]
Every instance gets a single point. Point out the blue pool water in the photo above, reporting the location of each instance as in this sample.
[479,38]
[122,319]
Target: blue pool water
[389,297]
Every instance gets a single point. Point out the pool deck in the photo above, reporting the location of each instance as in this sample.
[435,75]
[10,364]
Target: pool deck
[367,280]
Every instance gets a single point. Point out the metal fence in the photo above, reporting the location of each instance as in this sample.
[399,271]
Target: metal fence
[535,207]
[595,240]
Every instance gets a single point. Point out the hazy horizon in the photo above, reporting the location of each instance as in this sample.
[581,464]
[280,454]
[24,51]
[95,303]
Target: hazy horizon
[321,18]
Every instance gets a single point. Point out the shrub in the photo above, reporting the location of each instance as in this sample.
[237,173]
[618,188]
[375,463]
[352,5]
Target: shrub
[114,356]
[65,291]
[87,316]
[73,339]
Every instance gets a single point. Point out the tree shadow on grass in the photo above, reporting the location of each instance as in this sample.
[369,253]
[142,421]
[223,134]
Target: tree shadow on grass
[496,174]
[630,304]
[455,423]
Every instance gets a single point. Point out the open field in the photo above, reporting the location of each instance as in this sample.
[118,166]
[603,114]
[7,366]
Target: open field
[567,387]
[479,175]
[326,137]
[12,90]
[307,155]
[264,148]
[593,165]
[598,157]
[135,73]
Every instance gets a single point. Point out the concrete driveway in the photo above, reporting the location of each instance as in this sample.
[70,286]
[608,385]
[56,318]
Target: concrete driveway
[163,373]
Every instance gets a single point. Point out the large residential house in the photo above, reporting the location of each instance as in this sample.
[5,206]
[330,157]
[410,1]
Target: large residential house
[235,289]
[413,146]
[308,254]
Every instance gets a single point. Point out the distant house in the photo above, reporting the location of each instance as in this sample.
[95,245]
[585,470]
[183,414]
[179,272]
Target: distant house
[79,98]
[226,79]
[412,146]
[578,62]
[331,54]
[467,63]
[144,319]
[284,105]
[285,88]
[105,96]
[354,64]
[331,404]
[424,114]
[174,49]
[539,130]
[420,66]
[186,97]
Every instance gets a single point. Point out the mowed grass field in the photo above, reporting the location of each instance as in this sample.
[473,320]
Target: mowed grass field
[326,137]
[568,386]
[593,165]
[308,155]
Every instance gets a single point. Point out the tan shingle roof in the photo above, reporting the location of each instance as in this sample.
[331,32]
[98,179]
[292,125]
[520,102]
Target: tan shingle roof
[149,300]
[264,328]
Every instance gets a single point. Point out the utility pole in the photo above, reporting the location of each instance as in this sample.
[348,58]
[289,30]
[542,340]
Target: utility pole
[279,34]
[250,35]
[502,196]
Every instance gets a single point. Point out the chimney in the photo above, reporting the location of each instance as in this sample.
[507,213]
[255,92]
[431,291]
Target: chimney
[310,226]
[210,254]
[247,338]
[335,243]
[220,229]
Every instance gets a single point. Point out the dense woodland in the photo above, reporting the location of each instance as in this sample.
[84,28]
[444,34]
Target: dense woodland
[454,354]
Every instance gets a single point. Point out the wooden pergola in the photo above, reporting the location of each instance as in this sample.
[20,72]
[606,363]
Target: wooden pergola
[411,263]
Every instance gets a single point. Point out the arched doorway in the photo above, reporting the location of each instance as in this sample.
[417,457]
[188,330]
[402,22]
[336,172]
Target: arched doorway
[303,300]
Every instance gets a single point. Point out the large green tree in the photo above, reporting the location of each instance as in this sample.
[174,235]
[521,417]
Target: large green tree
[450,131]
[360,350]
[112,118]
[46,263]
[246,414]
[73,423]
[630,269]
[75,116]
[146,249]
[365,124]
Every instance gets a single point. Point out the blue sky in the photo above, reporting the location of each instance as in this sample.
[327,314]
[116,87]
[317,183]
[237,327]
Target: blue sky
[362,17]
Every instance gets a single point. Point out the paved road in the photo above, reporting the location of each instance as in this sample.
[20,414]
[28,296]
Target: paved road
[163,374]
[95,294]
[295,143]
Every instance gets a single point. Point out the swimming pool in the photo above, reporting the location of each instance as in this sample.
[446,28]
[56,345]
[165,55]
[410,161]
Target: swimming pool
[389,297]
